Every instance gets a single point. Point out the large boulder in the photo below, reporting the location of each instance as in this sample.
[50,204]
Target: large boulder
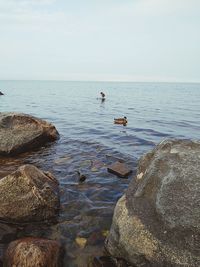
[21,132]
[28,195]
[157,221]
[33,252]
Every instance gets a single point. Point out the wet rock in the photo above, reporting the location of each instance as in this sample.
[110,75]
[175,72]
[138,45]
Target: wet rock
[81,241]
[96,238]
[21,132]
[97,164]
[33,252]
[120,169]
[102,261]
[107,261]
[62,160]
[1,93]
[85,163]
[94,169]
[7,233]
[157,222]
[28,195]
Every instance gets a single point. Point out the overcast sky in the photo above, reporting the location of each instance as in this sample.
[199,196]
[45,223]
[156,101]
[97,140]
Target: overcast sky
[118,40]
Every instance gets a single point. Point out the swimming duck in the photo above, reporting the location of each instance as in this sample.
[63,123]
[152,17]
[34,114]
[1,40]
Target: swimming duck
[123,121]
[82,177]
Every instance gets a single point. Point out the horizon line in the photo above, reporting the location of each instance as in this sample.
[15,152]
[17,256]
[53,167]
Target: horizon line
[111,81]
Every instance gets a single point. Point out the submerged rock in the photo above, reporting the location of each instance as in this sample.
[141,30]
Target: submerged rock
[157,221]
[1,93]
[28,195]
[33,252]
[81,241]
[102,261]
[106,261]
[21,132]
[120,169]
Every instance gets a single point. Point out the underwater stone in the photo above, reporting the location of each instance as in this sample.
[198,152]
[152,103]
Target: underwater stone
[120,169]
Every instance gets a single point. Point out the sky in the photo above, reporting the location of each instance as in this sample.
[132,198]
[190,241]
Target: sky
[100,40]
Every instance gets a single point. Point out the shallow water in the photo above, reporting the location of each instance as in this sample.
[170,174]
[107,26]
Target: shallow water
[89,142]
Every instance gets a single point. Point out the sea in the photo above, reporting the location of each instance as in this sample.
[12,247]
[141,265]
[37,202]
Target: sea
[89,142]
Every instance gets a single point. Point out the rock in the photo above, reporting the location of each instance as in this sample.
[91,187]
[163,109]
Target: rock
[120,169]
[28,195]
[102,261]
[96,238]
[33,252]
[1,93]
[105,233]
[7,234]
[21,132]
[106,261]
[157,222]
[62,160]
[81,241]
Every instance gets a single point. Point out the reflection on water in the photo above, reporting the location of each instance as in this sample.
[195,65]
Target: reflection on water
[89,142]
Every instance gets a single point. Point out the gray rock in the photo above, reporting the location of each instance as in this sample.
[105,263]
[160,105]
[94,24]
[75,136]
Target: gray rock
[157,221]
[21,132]
[33,252]
[28,195]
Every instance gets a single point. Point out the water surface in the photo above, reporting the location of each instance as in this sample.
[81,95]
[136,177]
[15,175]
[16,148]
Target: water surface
[89,142]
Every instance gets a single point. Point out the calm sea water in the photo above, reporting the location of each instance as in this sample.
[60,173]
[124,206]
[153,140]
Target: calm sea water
[89,142]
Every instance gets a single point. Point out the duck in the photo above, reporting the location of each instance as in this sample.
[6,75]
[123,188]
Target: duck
[82,177]
[123,121]
[103,95]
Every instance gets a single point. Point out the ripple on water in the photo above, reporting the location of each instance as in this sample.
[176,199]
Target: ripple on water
[85,207]
[89,141]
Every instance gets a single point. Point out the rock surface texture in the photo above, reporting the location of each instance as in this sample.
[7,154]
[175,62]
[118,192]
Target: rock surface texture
[157,222]
[21,132]
[33,252]
[28,195]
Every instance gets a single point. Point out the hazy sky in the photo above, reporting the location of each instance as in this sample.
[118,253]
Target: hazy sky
[133,40]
